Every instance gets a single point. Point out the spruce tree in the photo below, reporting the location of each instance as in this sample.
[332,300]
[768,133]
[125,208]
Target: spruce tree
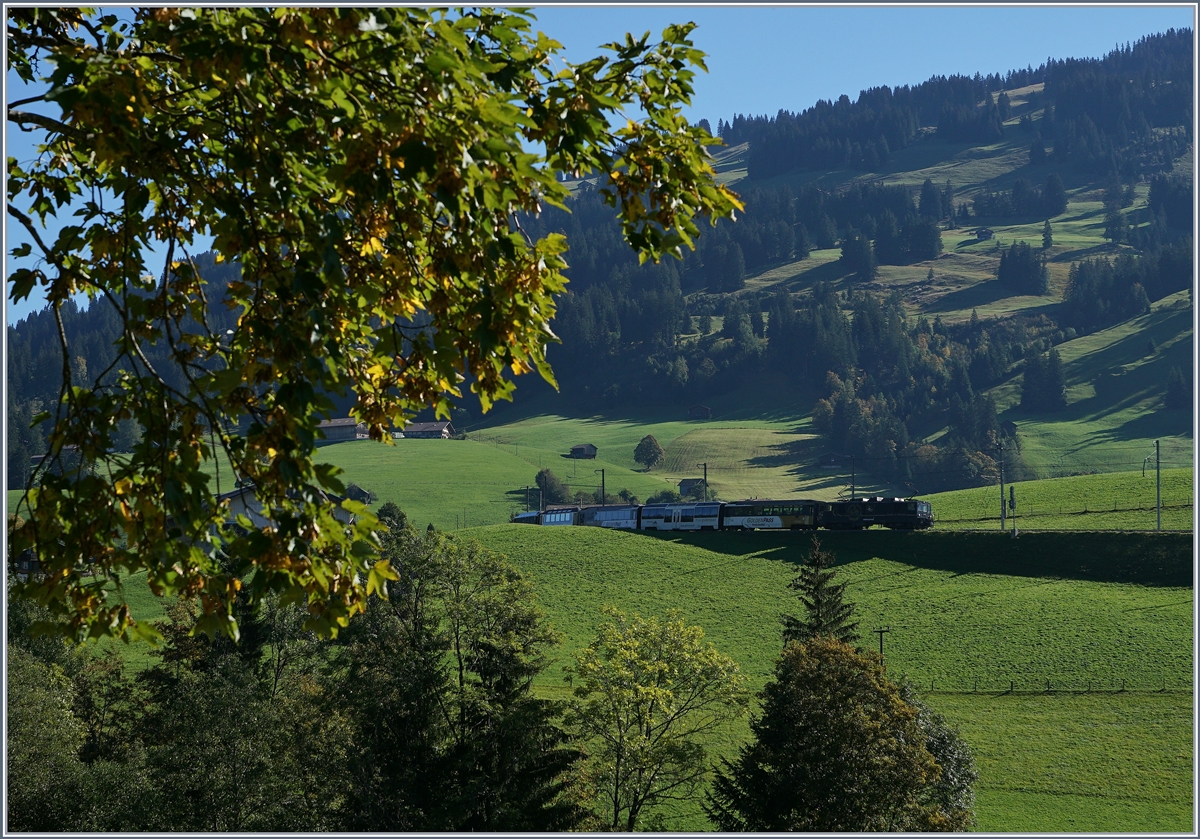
[827,615]
[1033,383]
[1047,236]
[1055,387]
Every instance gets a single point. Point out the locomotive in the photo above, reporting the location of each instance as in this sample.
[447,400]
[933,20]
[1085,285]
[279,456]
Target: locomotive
[751,514]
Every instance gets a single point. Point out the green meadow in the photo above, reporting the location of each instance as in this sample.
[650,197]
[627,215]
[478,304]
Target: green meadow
[1113,501]
[979,622]
[1065,660]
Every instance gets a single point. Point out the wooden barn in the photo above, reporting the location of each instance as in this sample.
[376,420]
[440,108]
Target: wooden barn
[337,430]
[584,451]
[699,412]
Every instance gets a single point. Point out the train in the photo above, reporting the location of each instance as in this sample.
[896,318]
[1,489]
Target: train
[751,514]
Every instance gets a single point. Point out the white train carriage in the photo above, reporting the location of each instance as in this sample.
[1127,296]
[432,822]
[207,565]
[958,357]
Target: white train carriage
[770,515]
[681,517]
[619,517]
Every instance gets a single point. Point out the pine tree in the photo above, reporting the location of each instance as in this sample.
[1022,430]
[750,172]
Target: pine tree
[1032,386]
[1055,387]
[1047,236]
[931,201]
[827,614]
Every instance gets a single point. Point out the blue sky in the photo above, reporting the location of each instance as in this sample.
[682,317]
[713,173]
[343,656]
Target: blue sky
[765,58]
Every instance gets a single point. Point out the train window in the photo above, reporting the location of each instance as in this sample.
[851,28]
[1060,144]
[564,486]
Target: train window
[707,510]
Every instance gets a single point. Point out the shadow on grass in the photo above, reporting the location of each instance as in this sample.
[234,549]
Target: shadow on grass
[980,294]
[1151,559]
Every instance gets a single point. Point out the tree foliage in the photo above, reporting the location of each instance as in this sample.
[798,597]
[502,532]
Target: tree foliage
[835,748]
[368,170]
[646,691]
[649,453]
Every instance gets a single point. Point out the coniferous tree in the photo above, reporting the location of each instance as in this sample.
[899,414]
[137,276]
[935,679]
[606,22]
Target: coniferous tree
[1054,195]
[826,614]
[1179,390]
[1055,387]
[931,201]
[1037,153]
[1047,236]
[1033,381]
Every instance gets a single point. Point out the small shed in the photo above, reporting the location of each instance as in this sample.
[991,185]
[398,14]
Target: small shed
[983,233]
[429,430]
[699,412]
[688,484]
[584,451]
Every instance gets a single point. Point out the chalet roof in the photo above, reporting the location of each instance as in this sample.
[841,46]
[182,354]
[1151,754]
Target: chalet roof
[338,423]
[419,427]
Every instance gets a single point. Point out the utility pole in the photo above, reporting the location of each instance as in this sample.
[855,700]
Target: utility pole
[852,497]
[705,465]
[527,498]
[1012,508]
[1157,483]
[1001,487]
[603,494]
[880,632]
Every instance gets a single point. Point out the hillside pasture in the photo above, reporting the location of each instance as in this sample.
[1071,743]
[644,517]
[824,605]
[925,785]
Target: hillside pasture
[1084,611]
[1111,501]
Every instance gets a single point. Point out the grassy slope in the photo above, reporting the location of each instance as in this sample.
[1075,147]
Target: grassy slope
[1113,501]
[961,607]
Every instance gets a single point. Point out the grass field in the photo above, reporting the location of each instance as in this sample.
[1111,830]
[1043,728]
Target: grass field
[1113,501]
[1088,610]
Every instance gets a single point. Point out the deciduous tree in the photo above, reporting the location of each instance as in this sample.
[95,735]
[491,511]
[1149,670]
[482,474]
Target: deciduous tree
[368,170]
[646,691]
[649,453]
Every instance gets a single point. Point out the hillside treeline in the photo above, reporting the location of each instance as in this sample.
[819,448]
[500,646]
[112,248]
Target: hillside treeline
[1129,112]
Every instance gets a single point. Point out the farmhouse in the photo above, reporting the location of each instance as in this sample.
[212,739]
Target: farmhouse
[983,233]
[584,451]
[337,430]
[429,430]
[699,412]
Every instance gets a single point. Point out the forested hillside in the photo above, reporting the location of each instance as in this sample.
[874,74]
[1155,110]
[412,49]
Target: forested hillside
[892,382]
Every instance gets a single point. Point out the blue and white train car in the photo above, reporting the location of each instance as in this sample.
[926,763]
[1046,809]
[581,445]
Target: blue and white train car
[556,516]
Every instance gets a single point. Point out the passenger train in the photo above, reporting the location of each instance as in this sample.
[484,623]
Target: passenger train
[754,514]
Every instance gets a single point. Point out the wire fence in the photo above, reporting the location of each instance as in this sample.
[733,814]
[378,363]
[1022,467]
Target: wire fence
[1027,686]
